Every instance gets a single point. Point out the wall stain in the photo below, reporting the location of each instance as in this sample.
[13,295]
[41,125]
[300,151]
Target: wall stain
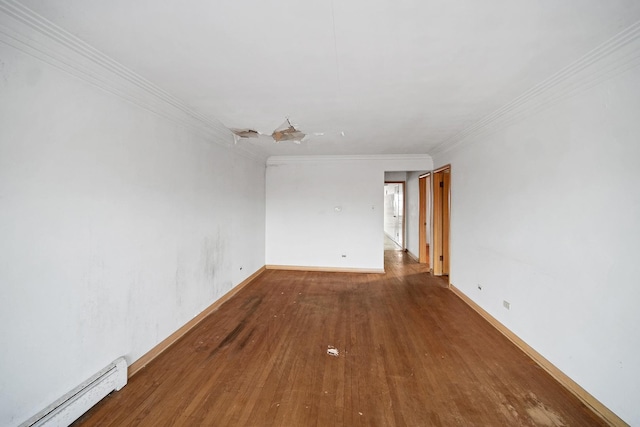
[180,281]
[212,256]
[5,80]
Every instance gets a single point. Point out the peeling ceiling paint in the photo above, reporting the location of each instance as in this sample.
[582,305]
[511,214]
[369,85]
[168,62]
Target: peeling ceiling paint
[285,132]
[246,133]
[395,76]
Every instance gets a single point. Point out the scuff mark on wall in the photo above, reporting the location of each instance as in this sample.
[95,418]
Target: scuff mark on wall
[180,279]
[214,267]
[212,255]
[3,74]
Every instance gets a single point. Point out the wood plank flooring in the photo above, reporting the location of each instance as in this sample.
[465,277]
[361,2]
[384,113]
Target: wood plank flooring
[410,354]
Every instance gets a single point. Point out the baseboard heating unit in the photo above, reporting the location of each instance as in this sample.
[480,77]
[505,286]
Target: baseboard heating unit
[72,405]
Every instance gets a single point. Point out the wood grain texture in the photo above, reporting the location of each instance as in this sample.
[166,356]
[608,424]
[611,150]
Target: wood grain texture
[167,342]
[411,353]
[604,412]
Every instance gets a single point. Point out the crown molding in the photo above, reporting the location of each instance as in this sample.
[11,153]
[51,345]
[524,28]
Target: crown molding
[279,160]
[28,32]
[613,57]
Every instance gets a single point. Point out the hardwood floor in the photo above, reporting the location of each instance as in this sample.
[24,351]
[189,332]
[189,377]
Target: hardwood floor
[410,353]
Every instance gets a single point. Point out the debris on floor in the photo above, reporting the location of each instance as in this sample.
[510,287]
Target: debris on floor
[332,351]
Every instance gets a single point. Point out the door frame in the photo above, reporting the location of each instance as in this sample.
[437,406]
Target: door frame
[441,214]
[404,210]
[424,221]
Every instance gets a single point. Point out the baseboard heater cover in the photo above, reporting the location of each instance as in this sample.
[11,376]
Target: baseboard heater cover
[72,405]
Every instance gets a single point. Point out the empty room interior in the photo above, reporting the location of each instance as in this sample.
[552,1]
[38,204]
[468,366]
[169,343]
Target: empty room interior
[331,213]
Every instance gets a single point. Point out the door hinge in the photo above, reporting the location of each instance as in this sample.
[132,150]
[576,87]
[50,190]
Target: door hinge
[441,258]
[442,184]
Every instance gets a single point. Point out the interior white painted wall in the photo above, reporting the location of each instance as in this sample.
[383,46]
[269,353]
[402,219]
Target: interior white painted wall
[117,227]
[303,227]
[412,222]
[395,176]
[545,215]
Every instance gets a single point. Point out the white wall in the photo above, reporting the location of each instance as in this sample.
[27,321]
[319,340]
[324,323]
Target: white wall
[302,226]
[395,176]
[546,215]
[116,228]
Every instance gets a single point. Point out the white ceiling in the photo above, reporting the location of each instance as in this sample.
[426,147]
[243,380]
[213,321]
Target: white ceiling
[396,76]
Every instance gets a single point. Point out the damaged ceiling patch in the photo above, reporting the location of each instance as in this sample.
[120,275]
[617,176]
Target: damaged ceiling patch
[285,132]
[246,133]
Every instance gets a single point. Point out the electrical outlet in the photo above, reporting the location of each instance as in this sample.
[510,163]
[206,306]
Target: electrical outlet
[506,304]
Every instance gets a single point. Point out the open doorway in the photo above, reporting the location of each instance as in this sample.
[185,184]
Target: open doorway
[424,218]
[394,215]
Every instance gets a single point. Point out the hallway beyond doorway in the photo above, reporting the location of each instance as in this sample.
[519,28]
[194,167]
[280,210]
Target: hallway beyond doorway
[394,199]
[390,245]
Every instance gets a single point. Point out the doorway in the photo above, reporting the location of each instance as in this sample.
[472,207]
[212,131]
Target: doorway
[424,218]
[441,191]
[394,212]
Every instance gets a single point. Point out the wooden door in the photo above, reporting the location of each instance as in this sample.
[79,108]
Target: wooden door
[441,210]
[422,220]
[446,203]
